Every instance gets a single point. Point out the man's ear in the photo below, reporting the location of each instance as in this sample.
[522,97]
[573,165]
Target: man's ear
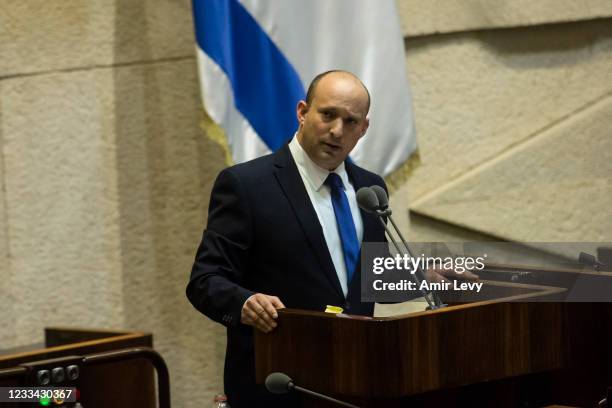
[366,125]
[301,109]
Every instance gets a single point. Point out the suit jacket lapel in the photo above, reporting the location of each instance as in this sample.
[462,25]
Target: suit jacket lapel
[370,222]
[290,180]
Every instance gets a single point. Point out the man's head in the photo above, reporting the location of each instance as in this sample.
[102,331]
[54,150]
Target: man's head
[333,117]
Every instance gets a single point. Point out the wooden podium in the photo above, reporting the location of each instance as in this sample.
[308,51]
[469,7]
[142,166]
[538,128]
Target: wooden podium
[507,352]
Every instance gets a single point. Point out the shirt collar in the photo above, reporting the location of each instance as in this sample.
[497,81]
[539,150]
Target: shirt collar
[312,172]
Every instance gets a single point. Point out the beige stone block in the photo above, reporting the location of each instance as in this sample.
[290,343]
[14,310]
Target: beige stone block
[477,95]
[38,35]
[443,16]
[61,201]
[419,228]
[166,167]
[554,187]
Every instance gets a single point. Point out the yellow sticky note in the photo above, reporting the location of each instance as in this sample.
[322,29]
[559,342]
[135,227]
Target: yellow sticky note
[333,309]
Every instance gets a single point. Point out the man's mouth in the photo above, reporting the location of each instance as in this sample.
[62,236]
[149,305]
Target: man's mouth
[332,146]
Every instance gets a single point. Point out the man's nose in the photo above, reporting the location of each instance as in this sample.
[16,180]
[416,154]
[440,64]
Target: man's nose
[337,128]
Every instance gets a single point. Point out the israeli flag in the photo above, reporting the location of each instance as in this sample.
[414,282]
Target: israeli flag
[257,57]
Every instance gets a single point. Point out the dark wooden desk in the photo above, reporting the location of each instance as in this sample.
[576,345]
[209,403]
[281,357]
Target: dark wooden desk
[117,384]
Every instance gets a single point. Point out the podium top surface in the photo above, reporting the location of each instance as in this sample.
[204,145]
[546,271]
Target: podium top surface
[60,341]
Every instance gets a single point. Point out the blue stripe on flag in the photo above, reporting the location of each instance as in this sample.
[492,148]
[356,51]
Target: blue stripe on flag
[266,87]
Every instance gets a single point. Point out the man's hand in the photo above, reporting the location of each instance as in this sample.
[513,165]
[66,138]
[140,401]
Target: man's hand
[259,311]
[444,275]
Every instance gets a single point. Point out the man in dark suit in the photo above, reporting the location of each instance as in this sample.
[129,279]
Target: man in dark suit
[284,230]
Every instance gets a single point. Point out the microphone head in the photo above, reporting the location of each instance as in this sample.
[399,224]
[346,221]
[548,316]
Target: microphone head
[279,383]
[588,259]
[367,200]
[381,194]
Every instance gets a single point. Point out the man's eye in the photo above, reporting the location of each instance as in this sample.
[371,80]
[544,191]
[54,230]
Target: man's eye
[327,114]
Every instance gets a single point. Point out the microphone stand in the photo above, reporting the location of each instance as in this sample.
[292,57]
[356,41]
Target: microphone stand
[281,383]
[322,396]
[435,302]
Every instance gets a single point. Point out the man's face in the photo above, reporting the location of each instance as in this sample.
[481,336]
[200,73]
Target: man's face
[335,120]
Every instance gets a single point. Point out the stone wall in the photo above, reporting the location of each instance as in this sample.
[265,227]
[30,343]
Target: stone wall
[446,16]
[514,131]
[106,171]
[106,175]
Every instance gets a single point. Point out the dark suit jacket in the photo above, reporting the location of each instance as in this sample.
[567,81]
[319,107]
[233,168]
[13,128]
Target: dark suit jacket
[263,235]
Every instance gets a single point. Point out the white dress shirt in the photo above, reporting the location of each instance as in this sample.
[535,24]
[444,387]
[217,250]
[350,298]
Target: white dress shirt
[313,177]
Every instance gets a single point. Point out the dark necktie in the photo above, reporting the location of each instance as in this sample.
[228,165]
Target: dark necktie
[346,226]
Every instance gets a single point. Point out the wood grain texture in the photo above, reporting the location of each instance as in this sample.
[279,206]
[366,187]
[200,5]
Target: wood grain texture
[120,384]
[490,353]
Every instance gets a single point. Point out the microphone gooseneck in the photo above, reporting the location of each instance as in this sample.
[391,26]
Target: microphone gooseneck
[375,200]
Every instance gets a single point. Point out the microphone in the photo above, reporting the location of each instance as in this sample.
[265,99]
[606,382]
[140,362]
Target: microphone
[381,194]
[367,199]
[590,260]
[281,383]
[375,200]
